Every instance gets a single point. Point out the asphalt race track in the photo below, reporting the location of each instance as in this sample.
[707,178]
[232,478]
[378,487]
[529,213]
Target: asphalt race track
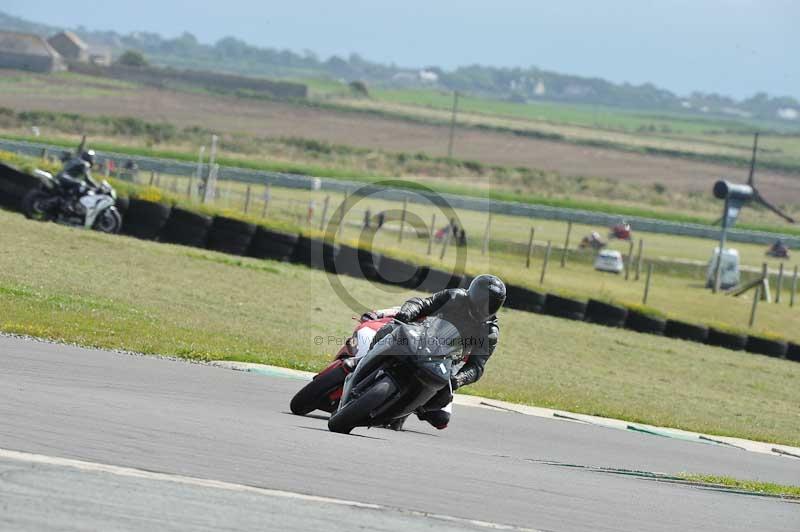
[102,441]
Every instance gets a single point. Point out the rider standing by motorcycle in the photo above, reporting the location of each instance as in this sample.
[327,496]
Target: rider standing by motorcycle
[473,312]
[75,175]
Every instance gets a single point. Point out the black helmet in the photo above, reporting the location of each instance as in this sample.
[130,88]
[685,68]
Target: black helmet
[89,156]
[487,293]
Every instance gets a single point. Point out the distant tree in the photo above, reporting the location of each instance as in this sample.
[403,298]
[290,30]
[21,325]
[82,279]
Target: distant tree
[359,88]
[132,58]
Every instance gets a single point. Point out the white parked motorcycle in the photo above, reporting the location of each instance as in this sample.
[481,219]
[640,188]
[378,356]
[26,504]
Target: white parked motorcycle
[94,209]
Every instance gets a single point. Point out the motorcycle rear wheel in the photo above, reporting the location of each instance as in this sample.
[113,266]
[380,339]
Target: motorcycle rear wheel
[357,411]
[31,206]
[314,395]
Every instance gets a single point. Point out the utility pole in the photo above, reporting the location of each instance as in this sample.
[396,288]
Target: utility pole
[452,125]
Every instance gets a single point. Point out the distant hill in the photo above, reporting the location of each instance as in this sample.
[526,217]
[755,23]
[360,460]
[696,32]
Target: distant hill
[515,84]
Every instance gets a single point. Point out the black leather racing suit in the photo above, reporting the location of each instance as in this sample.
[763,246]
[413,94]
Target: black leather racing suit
[73,177]
[480,339]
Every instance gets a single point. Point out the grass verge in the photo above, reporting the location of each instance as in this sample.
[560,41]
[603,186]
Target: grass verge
[117,292]
[751,486]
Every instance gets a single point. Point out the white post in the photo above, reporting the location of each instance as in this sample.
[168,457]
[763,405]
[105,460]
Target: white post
[212,158]
[211,183]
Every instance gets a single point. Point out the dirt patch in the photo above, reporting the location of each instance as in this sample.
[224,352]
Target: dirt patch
[353,128]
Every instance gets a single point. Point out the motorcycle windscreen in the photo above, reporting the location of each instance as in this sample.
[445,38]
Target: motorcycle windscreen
[441,339]
[439,345]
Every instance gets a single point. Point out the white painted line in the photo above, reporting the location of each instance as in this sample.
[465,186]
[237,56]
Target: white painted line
[95,467]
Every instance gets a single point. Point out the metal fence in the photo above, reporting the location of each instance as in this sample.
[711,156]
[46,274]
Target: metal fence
[526,210]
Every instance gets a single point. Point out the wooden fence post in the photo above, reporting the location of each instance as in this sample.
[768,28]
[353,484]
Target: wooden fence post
[779,285]
[431,233]
[152,177]
[629,260]
[340,227]
[546,260]
[794,287]
[530,249]
[647,283]
[639,260]
[566,245]
[756,297]
[448,235]
[485,245]
[325,205]
[267,197]
[247,200]
[403,220]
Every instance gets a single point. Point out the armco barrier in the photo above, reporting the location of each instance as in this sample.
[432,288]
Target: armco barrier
[650,225]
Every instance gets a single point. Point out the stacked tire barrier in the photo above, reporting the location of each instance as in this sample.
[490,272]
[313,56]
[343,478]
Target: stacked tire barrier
[228,235]
[155,221]
[729,340]
[186,228]
[524,299]
[686,331]
[145,219]
[564,307]
[606,314]
[14,185]
[272,245]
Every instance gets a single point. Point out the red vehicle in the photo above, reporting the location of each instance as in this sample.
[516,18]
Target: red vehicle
[779,250]
[622,231]
[325,390]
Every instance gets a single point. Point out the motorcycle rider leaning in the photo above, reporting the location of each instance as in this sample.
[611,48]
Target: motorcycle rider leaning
[74,176]
[473,312]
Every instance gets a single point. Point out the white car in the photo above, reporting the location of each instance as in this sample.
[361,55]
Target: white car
[609,260]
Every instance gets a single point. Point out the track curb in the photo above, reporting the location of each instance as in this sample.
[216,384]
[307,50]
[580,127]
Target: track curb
[476,401]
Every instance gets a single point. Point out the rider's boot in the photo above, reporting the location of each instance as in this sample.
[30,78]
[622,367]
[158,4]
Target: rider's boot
[438,418]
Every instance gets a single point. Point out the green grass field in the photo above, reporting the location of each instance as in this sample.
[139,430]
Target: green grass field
[682,134]
[677,288]
[116,292]
[453,177]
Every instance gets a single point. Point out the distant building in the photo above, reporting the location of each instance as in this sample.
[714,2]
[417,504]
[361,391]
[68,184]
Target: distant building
[70,46]
[428,76]
[99,55]
[73,48]
[22,51]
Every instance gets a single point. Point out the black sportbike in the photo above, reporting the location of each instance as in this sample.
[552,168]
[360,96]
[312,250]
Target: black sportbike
[401,373]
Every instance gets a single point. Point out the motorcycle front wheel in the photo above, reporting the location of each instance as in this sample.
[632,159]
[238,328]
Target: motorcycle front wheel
[357,411]
[32,206]
[314,395]
[109,221]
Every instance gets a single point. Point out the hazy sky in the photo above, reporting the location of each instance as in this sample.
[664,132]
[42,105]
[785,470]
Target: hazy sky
[735,47]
